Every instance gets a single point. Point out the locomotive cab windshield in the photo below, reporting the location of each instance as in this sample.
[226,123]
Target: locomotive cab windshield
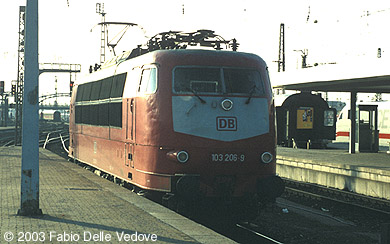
[217,81]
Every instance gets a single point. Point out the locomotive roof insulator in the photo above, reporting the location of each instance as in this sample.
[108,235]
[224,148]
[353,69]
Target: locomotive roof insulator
[181,40]
[234,44]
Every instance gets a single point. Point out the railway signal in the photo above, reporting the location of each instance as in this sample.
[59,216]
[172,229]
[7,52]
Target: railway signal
[1,87]
[13,90]
[71,84]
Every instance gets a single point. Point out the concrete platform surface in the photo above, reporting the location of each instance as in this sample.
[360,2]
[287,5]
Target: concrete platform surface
[81,207]
[364,173]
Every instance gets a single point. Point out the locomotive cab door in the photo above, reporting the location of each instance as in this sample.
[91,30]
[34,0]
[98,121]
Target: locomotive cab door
[129,161]
[130,120]
[130,136]
[367,128]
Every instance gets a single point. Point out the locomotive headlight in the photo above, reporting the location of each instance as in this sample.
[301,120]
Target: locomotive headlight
[178,156]
[227,104]
[182,156]
[266,157]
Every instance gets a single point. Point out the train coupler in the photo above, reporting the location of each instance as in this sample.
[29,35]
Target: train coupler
[270,188]
[187,186]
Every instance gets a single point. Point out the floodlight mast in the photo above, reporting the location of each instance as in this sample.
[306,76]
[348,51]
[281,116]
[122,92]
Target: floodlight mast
[100,11]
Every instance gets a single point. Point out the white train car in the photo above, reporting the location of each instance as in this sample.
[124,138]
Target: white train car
[343,122]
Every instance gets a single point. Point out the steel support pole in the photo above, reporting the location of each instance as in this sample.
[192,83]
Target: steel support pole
[352,133]
[385,234]
[5,111]
[29,204]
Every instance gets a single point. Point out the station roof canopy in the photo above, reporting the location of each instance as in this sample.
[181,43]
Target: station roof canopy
[371,78]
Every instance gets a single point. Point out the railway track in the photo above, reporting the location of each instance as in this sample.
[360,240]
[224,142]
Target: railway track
[247,232]
[339,197]
[252,229]
[7,136]
[51,129]
[243,232]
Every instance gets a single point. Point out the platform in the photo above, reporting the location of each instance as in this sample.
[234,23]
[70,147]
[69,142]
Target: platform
[79,206]
[363,173]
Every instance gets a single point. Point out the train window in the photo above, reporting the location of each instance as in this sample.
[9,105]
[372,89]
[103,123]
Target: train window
[329,117]
[115,116]
[86,96]
[84,115]
[197,79]
[204,86]
[78,114]
[132,84]
[106,88]
[364,117]
[93,114]
[118,85]
[79,94]
[148,83]
[103,114]
[95,90]
[243,81]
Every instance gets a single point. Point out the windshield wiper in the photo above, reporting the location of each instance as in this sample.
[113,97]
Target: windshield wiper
[196,95]
[251,91]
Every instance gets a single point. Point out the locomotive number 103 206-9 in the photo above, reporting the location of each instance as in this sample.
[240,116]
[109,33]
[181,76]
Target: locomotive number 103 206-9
[227,157]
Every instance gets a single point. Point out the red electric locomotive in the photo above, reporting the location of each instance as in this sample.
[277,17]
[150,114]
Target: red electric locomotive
[188,123]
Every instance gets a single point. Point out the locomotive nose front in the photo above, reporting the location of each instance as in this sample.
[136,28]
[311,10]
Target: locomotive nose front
[222,120]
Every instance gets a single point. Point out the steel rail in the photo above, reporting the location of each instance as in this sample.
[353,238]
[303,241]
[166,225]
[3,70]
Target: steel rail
[258,234]
[340,193]
[63,143]
[48,139]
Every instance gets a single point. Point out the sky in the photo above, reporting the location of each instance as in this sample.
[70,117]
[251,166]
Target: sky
[332,31]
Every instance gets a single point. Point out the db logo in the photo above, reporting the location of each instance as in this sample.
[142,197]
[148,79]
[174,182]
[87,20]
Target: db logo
[226,123]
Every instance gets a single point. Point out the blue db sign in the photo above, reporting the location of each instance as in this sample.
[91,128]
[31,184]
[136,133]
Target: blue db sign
[226,123]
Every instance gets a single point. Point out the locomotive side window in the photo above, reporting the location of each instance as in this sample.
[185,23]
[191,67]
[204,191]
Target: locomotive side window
[100,102]
[199,80]
[103,114]
[85,114]
[79,94]
[86,92]
[95,91]
[106,88]
[118,85]
[94,114]
[132,84]
[115,114]
[148,83]
[78,114]
[243,81]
